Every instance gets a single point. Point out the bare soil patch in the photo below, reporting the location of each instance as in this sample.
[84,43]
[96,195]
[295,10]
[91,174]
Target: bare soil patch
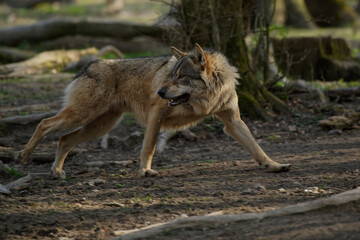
[199,177]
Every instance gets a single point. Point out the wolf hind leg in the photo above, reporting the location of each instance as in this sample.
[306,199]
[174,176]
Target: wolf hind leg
[65,119]
[236,128]
[96,128]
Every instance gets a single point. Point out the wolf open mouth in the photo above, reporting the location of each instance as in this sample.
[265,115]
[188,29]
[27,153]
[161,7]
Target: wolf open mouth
[178,100]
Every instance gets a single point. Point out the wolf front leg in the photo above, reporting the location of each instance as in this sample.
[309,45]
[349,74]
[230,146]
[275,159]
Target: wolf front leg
[236,128]
[153,126]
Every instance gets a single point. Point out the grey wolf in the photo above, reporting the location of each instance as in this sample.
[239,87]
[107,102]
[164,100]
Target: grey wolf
[163,93]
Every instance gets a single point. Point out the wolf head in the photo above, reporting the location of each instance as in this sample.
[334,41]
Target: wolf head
[197,77]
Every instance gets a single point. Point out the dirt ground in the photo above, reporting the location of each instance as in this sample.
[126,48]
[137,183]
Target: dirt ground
[197,177]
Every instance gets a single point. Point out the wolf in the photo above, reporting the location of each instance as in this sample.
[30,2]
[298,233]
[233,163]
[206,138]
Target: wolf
[163,93]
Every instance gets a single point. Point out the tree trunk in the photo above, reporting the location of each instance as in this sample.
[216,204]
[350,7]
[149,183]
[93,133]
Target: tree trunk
[297,14]
[331,13]
[220,26]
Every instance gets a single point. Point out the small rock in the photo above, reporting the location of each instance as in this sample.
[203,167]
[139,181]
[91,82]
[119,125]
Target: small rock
[292,128]
[260,188]
[126,163]
[115,204]
[247,191]
[4,190]
[334,132]
[95,164]
[282,190]
[314,190]
[24,192]
[96,182]
[183,216]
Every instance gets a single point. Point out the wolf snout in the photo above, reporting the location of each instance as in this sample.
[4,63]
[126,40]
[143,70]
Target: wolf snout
[162,92]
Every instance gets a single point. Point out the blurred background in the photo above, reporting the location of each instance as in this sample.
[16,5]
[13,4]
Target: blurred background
[272,43]
[299,94]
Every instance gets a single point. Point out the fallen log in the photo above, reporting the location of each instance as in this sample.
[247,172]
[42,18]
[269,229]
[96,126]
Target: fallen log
[348,92]
[50,61]
[349,120]
[56,61]
[30,3]
[134,45]
[56,27]
[9,54]
[21,183]
[85,60]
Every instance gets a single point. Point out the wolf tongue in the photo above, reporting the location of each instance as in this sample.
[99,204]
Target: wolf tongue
[178,100]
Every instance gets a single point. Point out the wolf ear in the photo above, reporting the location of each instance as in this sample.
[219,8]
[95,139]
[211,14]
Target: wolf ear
[201,56]
[177,53]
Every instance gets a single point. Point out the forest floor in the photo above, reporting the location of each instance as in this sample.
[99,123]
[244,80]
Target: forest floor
[213,173]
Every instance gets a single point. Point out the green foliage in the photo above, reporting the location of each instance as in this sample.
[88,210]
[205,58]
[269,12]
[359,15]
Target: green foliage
[119,185]
[280,84]
[355,53]
[109,56]
[47,8]
[334,84]
[278,31]
[272,137]
[13,172]
[148,199]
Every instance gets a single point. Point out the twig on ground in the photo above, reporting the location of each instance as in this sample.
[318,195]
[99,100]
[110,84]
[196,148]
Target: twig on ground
[23,120]
[152,230]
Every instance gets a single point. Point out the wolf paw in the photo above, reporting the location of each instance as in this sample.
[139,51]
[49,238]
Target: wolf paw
[22,156]
[58,174]
[279,168]
[148,173]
